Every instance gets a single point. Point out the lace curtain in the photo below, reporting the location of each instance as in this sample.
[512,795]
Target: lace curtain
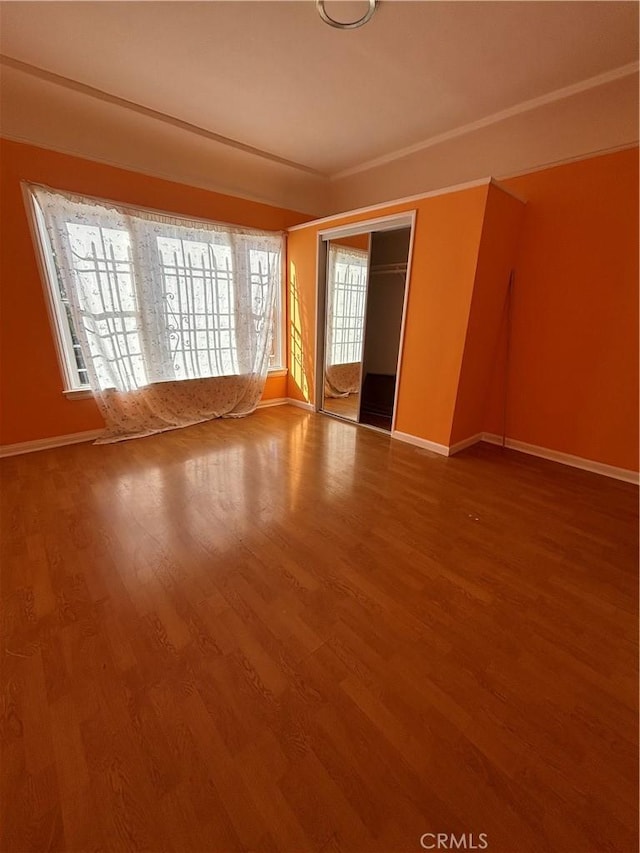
[347,290]
[174,317]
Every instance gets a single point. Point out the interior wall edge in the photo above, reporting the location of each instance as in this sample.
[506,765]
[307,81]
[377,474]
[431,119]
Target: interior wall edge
[495,265]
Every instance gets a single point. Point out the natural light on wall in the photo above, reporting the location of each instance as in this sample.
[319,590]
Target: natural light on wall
[298,355]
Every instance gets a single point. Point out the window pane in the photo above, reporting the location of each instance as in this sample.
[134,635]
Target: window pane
[102,261]
[145,298]
[198,293]
[349,287]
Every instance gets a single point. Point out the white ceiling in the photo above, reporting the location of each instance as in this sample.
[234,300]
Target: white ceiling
[273,76]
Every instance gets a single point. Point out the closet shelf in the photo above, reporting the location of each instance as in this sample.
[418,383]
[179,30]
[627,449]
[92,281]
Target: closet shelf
[388,268]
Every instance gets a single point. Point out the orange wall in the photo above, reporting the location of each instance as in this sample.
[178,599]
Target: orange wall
[496,258]
[32,405]
[445,251]
[573,366]
[355,241]
[446,242]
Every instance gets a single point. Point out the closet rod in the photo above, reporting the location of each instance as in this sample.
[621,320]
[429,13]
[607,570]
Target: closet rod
[379,268]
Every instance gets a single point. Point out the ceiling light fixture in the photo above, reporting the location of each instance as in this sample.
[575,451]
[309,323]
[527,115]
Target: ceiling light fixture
[346,25]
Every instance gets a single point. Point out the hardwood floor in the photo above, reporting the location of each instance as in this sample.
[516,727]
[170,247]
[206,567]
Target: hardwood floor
[346,407]
[286,633]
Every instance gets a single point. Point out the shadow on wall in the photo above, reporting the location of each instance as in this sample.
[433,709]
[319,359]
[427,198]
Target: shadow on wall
[301,362]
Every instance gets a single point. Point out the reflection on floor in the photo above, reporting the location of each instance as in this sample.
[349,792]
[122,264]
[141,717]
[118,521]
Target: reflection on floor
[346,407]
[375,419]
[277,633]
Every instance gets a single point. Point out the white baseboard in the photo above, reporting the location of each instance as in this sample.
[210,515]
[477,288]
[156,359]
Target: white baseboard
[466,442]
[624,474]
[492,438]
[276,401]
[532,449]
[441,449]
[88,435]
[565,458]
[48,443]
[301,404]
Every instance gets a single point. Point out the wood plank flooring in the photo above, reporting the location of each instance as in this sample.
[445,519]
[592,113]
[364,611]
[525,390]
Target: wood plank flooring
[346,407]
[288,633]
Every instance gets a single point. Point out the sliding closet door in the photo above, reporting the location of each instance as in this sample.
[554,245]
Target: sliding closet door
[345,307]
[385,303]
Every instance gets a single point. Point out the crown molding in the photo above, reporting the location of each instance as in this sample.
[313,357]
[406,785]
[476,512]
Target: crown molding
[106,97]
[208,186]
[407,199]
[564,161]
[494,118]
[524,106]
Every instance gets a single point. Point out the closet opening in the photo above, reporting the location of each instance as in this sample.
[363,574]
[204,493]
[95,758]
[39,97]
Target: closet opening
[363,272]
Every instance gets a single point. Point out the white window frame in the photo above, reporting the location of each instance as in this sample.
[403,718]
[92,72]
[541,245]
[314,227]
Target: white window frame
[345,317]
[73,387]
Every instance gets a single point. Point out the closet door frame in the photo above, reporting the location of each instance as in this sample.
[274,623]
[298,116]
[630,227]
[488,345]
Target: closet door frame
[406,219]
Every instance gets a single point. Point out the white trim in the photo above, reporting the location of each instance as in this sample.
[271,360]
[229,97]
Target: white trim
[394,222]
[86,393]
[594,467]
[78,393]
[566,161]
[403,322]
[58,322]
[281,325]
[301,404]
[493,438]
[494,118]
[158,174]
[466,442]
[275,401]
[495,183]
[48,443]
[365,322]
[165,118]
[98,94]
[624,474]
[381,205]
[440,449]
[322,263]
[91,435]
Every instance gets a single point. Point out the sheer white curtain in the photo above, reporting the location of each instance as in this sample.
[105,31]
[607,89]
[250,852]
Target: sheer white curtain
[346,298]
[174,316]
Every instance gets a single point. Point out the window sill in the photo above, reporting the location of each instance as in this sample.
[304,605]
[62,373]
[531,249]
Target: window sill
[78,393]
[85,393]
